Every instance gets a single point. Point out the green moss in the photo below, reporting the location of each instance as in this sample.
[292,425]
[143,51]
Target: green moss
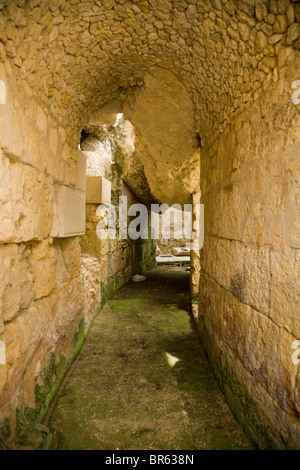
[48,441]
[250,417]
[26,431]
[147,259]
[119,159]
[109,288]
[79,335]
[29,431]
[5,432]
[123,391]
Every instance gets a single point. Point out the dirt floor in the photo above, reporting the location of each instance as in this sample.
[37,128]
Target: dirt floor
[142,380]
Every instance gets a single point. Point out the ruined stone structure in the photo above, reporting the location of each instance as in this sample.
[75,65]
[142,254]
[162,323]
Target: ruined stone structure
[210,85]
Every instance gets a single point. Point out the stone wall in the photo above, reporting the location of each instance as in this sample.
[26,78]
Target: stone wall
[250,266]
[49,293]
[41,287]
[109,264]
[235,62]
[82,54]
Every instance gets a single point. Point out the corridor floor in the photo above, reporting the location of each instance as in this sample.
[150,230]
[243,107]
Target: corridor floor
[142,380]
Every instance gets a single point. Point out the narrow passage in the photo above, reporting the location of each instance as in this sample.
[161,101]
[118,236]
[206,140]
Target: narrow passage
[142,380]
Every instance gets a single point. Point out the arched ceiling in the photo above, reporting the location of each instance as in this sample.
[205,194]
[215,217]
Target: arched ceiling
[210,57]
[80,54]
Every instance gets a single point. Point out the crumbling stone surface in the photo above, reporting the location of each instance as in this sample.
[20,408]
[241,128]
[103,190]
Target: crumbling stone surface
[167,145]
[80,54]
[249,280]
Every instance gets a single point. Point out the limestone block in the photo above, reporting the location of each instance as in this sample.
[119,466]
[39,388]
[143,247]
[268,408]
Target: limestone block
[71,252]
[224,261]
[81,171]
[41,121]
[213,213]
[98,190]
[3,376]
[54,164]
[2,92]
[295,231]
[107,114]
[70,159]
[25,202]
[68,211]
[257,278]
[2,353]
[180,251]
[57,209]
[229,223]
[43,265]
[270,361]
[53,139]
[236,327]
[18,136]
[69,303]
[285,290]
[74,212]
[23,335]
[61,273]
[16,279]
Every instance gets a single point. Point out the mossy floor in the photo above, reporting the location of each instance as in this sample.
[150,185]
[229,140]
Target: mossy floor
[142,380]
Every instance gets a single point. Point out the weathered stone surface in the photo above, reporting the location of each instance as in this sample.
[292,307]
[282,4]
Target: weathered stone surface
[43,268]
[249,292]
[25,206]
[285,290]
[211,76]
[96,39]
[168,143]
[17,276]
[233,328]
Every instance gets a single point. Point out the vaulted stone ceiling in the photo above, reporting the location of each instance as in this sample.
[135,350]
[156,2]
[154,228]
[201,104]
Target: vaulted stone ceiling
[80,54]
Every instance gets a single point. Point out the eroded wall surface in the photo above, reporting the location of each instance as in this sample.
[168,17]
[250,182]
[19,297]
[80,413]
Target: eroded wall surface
[49,292]
[41,286]
[110,263]
[237,61]
[249,310]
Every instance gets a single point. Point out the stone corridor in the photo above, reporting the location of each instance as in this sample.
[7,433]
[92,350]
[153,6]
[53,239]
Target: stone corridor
[142,380]
[167,105]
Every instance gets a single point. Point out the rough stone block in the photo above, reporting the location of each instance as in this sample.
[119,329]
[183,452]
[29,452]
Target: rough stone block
[43,265]
[285,290]
[69,212]
[295,231]
[98,190]
[16,279]
[257,278]
[2,92]
[81,171]
[25,202]
[177,251]
[71,253]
